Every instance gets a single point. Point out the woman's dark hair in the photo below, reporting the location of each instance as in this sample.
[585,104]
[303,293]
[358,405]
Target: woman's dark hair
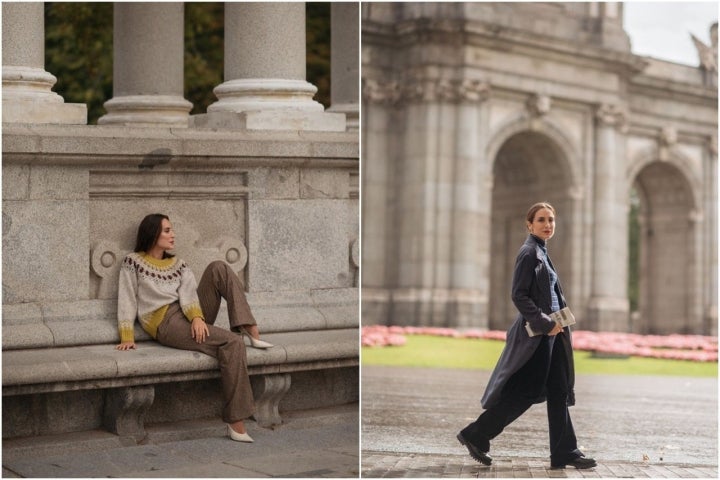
[148,233]
[530,217]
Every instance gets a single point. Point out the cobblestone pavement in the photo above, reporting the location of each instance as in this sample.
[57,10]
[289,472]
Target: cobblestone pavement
[634,426]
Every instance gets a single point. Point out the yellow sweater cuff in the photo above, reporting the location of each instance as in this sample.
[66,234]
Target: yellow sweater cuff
[127,335]
[193,310]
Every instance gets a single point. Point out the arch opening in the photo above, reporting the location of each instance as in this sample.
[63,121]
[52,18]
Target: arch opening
[528,168]
[661,234]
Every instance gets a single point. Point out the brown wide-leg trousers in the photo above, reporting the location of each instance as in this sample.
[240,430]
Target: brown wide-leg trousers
[218,281]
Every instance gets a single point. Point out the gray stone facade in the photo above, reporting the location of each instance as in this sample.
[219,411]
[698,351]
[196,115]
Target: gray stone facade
[267,181]
[474,111]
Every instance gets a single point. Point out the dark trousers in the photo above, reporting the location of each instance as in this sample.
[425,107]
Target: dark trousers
[545,373]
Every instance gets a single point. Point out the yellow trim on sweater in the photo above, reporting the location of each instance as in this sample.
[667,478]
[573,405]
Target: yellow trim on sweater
[193,310]
[127,334]
[165,263]
[151,321]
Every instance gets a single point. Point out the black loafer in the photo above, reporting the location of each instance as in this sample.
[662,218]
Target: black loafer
[579,463]
[475,452]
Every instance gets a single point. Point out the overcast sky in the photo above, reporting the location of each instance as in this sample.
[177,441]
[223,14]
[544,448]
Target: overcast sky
[662,29]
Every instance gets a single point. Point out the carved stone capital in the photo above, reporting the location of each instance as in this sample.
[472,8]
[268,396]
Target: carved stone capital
[380,92]
[421,89]
[471,90]
[612,115]
[416,91]
[446,90]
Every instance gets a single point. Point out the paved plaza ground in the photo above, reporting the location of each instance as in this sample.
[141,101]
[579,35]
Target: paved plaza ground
[317,444]
[634,426]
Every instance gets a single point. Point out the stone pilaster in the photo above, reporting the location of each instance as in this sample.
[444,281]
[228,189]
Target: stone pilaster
[469,278]
[440,186]
[608,308]
[147,66]
[710,270]
[26,94]
[265,86]
[377,130]
[344,61]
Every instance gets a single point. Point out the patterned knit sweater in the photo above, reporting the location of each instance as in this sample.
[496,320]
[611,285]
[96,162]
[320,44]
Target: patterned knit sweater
[147,288]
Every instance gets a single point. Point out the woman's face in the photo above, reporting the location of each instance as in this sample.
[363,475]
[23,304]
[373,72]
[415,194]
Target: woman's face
[543,225]
[166,240]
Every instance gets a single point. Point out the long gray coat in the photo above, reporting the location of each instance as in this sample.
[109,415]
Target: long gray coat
[531,296]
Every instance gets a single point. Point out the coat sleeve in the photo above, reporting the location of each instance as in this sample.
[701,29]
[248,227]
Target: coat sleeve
[127,300]
[188,296]
[523,278]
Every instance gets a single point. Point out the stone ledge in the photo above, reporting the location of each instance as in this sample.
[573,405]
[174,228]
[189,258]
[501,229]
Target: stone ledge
[101,145]
[100,366]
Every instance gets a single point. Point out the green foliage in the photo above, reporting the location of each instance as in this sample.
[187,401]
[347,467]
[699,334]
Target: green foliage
[447,352]
[204,52]
[78,51]
[318,49]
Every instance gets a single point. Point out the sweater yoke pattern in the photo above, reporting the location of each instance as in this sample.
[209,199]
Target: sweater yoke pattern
[168,270]
[148,286]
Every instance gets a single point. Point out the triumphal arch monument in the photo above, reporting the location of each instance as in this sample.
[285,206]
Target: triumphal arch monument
[473,112]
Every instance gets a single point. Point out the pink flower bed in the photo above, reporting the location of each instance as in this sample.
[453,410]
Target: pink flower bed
[696,348]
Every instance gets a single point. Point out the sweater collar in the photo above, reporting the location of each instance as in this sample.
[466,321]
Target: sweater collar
[164,263]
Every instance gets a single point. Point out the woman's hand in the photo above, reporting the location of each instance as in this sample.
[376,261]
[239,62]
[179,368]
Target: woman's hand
[556,329]
[199,330]
[126,346]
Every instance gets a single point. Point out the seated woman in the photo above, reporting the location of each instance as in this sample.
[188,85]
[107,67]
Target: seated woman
[160,290]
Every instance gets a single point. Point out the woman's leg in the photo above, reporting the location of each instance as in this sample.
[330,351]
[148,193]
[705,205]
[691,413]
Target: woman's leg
[522,389]
[219,281]
[229,350]
[563,443]
[494,420]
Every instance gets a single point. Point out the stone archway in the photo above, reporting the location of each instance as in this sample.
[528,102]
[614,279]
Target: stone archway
[529,167]
[666,256]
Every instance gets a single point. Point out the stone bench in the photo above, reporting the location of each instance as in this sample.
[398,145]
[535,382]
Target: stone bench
[61,348]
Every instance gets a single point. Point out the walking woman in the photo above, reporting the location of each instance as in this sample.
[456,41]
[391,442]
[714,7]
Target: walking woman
[532,369]
[160,290]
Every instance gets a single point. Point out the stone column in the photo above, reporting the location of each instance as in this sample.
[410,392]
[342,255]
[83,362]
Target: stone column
[344,58]
[27,95]
[148,66]
[265,86]
[608,308]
